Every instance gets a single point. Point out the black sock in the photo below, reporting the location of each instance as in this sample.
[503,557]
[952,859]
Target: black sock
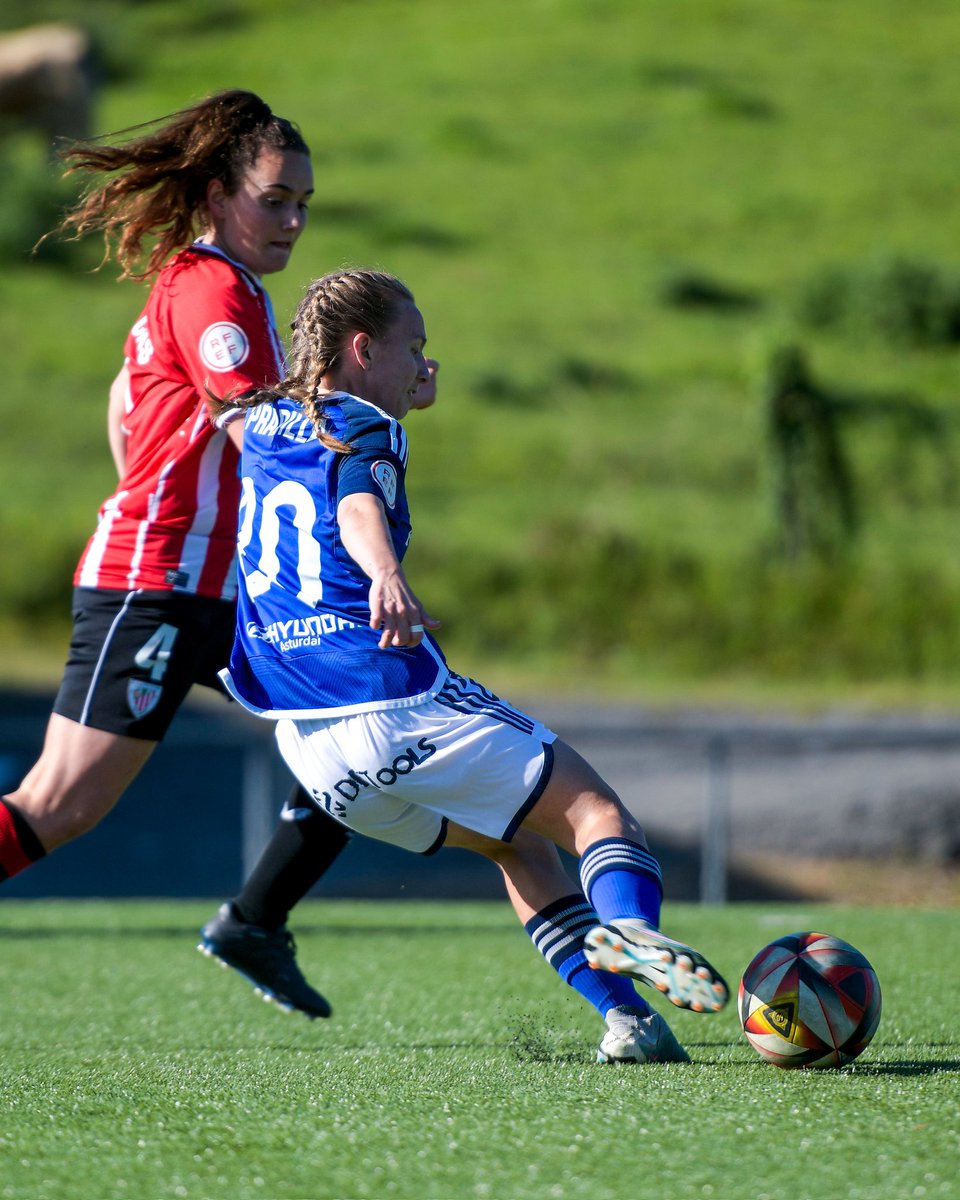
[304,844]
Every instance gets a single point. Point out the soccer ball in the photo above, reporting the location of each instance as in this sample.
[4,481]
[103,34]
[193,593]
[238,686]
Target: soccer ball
[809,1000]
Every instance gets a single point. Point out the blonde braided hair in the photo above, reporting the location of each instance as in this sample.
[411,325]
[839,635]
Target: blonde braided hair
[333,307]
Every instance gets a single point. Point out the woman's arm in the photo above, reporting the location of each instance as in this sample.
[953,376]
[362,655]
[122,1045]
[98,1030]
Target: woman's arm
[116,411]
[393,607]
[233,428]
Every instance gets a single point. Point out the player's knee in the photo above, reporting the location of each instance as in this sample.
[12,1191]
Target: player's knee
[536,852]
[606,817]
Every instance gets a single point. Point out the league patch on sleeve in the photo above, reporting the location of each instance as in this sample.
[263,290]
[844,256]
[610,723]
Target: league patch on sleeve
[223,346]
[385,474]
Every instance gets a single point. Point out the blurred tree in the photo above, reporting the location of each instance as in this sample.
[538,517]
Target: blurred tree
[816,498]
[816,507]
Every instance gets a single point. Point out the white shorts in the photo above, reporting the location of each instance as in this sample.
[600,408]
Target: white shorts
[400,774]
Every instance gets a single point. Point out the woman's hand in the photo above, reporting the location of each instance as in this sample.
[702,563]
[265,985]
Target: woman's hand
[426,393]
[394,609]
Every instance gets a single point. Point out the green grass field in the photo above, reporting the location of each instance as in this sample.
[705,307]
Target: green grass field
[556,180]
[456,1067]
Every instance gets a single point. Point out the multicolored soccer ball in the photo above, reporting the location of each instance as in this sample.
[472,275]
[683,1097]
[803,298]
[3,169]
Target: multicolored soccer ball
[809,1000]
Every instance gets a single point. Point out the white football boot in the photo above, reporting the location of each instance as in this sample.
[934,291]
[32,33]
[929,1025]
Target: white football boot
[634,1036]
[634,948]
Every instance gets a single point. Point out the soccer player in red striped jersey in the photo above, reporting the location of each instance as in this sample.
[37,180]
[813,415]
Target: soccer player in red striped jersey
[219,192]
[171,523]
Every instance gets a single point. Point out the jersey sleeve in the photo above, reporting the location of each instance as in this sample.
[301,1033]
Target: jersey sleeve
[374,467]
[222,332]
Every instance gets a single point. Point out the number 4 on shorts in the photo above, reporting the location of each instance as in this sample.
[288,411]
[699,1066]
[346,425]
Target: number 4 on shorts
[155,652]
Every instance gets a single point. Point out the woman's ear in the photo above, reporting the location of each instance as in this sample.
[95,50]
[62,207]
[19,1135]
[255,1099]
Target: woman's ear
[216,195]
[360,350]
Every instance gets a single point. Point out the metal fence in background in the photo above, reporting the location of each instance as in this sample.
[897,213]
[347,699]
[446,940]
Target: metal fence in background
[708,788]
[729,785]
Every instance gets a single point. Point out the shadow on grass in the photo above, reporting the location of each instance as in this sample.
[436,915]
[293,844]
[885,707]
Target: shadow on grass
[72,931]
[916,1066]
[903,1067]
[192,931]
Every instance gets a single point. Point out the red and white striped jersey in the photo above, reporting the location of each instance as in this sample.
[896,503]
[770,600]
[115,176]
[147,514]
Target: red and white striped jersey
[172,522]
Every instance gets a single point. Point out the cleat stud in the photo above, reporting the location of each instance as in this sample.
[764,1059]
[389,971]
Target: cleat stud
[702,973]
[662,987]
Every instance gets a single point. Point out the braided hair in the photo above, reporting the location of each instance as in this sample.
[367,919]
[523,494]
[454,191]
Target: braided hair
[333,307]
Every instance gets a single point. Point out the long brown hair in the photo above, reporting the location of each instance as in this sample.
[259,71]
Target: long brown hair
[158,181]
[333,307]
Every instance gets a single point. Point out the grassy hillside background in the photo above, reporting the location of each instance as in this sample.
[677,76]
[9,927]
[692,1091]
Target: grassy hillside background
[616,217]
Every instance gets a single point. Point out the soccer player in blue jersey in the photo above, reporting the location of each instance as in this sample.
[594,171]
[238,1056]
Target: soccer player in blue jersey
[333,645]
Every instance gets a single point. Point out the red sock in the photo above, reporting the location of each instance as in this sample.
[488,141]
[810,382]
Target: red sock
[19,845]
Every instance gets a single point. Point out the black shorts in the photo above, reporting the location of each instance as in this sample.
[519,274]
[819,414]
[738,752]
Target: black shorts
[135,655]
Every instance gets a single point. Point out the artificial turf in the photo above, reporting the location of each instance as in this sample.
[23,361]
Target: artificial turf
[456,1065]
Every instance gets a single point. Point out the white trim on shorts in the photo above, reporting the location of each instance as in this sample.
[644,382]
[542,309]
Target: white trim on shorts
[399,774]
[104,651]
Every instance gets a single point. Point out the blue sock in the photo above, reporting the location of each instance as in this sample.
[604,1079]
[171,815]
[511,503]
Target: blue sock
[558,932]
[622,881]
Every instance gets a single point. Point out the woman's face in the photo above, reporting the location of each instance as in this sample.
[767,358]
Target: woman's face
[259,223]
[393,366]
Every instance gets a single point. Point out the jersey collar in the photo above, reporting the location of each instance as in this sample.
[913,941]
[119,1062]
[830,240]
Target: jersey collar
[216,252]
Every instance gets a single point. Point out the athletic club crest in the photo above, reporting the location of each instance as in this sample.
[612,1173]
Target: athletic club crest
[143,697]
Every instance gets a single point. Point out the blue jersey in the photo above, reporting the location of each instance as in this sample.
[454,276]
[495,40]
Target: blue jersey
[303,646]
